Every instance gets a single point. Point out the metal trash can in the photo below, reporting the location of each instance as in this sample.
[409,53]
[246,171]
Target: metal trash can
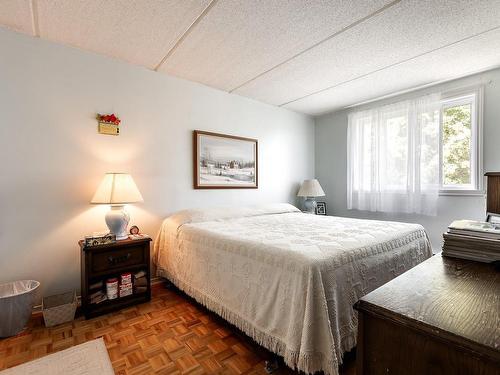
[16,305]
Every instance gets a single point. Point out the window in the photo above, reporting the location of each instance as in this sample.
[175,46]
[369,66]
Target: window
[401,156]
[460,165]
[393,157]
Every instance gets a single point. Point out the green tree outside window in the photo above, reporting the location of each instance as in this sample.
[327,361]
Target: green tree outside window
[457,140]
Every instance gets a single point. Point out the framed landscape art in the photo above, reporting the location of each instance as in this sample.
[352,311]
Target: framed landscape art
[224,161]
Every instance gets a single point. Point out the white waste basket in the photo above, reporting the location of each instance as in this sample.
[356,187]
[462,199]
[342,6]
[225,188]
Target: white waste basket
[16,305]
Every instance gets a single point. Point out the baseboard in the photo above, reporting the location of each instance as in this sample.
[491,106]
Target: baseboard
[156,280]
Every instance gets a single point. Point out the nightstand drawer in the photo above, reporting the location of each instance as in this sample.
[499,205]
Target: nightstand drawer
[119,258]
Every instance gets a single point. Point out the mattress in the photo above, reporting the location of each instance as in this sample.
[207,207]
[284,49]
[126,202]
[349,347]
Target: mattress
[287,279]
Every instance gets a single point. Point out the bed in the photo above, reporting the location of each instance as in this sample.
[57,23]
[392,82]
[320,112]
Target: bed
[287,279]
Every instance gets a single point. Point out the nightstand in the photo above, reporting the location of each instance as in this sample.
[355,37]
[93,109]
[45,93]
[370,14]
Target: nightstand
[104,262]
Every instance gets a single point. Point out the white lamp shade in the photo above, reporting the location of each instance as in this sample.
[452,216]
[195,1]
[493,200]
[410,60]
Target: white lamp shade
[117,188]
[311,188]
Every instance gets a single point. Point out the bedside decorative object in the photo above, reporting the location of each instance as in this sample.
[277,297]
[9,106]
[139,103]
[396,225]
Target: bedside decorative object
[224,161]
[320,208]
[103,267]
[310,189]
[134,229]
[108,124]
[97,239]
[117,189]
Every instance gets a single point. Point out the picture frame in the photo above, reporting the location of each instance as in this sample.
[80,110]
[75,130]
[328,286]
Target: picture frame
[320,208]
[493,218]
[222,161]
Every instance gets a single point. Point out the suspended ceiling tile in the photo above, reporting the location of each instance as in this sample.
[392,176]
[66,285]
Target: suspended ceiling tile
[140,32]
[404,31]
[239,39]
[16,15]
[464,58]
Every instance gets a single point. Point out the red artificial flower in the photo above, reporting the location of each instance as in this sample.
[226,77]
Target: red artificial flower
[112,119]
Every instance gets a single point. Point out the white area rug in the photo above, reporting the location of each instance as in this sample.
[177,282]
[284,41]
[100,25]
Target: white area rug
[90,358]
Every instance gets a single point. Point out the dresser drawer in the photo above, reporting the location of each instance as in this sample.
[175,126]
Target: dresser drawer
[118,258]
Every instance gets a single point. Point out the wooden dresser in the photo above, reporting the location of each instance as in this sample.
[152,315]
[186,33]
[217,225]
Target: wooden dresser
[441,317]
[493,192]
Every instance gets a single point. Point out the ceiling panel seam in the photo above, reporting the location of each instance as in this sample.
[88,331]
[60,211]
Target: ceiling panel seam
[350,26]
[185,34]
[34,18]
[390,66]
[416,88]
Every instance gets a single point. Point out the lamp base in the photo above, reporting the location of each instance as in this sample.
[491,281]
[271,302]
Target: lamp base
[310,205]
[117,221]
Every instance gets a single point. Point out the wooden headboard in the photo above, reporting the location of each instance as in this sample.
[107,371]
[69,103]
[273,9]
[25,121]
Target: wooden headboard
[493,192]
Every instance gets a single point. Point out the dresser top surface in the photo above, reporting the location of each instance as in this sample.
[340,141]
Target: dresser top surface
[457,296]
[119,243]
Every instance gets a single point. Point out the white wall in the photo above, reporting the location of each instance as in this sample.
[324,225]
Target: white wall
[331,161]
[53,158]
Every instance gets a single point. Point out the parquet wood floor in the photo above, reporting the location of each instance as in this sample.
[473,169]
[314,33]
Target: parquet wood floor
[172,334]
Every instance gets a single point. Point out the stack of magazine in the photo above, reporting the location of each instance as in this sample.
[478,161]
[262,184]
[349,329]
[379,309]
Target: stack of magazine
[473,240]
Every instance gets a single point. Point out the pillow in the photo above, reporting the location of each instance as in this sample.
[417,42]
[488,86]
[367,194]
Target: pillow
[224,213]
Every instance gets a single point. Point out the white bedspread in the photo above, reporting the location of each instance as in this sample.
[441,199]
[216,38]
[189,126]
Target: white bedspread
[288,280]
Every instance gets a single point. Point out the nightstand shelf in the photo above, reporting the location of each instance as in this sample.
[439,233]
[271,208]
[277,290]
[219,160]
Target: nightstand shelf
[100,263]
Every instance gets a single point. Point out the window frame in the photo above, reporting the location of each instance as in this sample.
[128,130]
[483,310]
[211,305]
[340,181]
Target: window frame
[474,96]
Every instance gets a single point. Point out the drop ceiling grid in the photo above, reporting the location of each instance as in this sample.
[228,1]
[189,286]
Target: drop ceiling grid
[139,32]
[404,31]
[236,41]
[16,15]
[239,39]
[445,64]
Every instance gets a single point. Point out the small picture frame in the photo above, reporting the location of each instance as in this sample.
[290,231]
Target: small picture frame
[493,218]
[320,208]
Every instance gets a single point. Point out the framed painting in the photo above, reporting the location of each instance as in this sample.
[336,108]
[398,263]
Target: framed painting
[224,161]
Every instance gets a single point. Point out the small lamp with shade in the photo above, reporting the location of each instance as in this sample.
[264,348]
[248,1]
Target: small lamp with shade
[310,189]
[117,189]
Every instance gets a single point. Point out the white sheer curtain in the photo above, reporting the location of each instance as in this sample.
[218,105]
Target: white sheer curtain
[393,157]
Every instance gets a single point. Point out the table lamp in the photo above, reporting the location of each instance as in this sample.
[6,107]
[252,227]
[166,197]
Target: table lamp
[117,189]
[310,189]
